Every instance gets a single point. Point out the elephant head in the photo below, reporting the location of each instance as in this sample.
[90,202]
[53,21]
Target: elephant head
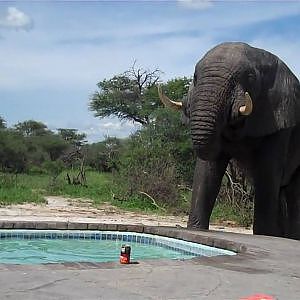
[237,91]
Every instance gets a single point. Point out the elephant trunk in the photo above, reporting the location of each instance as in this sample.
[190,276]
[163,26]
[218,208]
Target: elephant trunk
[206,122]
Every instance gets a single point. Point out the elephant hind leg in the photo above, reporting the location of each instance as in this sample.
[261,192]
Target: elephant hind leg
[283,212]
[293,206]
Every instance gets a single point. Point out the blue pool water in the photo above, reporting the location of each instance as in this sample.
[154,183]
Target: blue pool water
[36,247]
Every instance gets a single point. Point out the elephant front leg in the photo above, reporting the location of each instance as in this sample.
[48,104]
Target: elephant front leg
[269,208]
[206,185]
[267,215]
[293,206]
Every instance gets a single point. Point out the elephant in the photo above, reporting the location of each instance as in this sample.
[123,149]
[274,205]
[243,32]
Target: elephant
[244,104]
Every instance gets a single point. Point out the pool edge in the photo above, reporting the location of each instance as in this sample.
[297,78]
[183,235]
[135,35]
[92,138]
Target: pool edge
[181,233]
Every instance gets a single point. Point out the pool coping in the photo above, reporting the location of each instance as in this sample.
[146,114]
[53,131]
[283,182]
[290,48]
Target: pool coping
[205,237]
[180,233]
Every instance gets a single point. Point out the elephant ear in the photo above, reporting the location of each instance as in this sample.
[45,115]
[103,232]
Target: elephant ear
[278,105]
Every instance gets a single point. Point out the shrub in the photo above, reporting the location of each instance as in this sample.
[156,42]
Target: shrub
[237,194]
[148,170]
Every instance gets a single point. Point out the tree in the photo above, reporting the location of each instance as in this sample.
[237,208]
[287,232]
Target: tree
[13,151]
[104,156]
[31,128]
[72,136]
[52,144]
[148,169]
[158,158]
[2,123]
[177,88]
[129,96]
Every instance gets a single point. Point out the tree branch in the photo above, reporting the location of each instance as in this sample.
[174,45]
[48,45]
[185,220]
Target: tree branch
[153,201]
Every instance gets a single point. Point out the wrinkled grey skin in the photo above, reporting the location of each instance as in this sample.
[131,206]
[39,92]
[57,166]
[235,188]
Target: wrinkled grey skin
[266,143]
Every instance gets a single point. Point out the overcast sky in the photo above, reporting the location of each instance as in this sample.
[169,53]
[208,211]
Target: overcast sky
[53,53]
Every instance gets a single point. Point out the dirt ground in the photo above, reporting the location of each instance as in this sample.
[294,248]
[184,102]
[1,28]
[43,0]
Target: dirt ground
[82,210]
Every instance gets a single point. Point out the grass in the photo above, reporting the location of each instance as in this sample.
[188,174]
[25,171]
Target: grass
[100,188]
[17,195]
[19,189]
[224,212]
[33,188]
[136,204]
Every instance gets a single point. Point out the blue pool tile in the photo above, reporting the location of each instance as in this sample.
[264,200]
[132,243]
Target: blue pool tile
[186,248]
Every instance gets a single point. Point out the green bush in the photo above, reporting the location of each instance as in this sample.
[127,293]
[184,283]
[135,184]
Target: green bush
[236,195]
[53,168]
[148,170]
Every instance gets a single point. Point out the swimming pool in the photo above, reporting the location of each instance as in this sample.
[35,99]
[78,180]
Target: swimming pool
[56,246]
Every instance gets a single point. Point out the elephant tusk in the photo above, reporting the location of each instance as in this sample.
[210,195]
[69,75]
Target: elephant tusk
[246,109]
[177,105]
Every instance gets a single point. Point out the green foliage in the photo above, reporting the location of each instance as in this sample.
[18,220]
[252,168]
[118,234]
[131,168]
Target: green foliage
[104,156]
[226,213]
[31,128]
[169,130]
[2,123]
[12,151]
[177,88]
[49,146]
[53,168]
[159,157]
[237,194]
[136,203]
[72,136]
[14,191]
[32,188]
[28,145]
[53,145]
[129,96]
[147,166]
[168,127]
[99,187]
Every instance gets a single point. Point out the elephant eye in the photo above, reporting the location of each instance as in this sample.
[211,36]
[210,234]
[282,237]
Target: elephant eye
[251,77]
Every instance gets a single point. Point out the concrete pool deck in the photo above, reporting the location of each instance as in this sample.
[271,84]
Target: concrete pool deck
[265,265]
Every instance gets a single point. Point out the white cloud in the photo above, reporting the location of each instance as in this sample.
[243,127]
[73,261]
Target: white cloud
[96,129]
[99,128]
[195,4]
[16,19]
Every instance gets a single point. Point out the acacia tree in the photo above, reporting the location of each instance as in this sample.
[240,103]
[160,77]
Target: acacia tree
[129,96]
[72,136]
[13,151]
[2,123]
[104,156]
[31,128]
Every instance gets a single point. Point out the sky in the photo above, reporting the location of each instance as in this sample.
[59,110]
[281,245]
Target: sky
[53,53]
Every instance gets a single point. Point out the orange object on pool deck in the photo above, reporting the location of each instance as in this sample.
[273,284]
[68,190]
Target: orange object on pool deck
[258,297]
[125,254]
